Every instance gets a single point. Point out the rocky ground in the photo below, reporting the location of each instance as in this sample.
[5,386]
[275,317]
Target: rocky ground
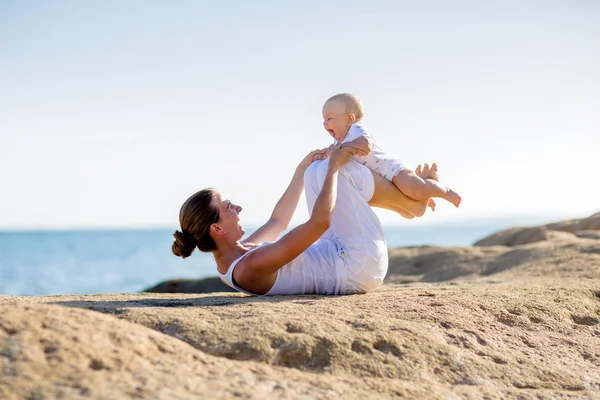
[516,316]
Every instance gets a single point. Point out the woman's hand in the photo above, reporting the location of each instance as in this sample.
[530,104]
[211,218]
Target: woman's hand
[339,156]
[314,156]
[341,153]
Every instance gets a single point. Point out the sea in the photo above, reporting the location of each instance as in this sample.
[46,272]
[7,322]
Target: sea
[49,262]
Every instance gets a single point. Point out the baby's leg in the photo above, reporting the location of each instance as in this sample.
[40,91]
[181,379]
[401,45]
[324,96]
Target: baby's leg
[415,187]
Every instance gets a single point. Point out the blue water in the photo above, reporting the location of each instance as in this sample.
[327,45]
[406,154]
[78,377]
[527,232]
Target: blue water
[117,261]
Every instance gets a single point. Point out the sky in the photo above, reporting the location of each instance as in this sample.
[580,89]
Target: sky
[112,113]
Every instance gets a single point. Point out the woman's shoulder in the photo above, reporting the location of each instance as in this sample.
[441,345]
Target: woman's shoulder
[245,276]
[249,247]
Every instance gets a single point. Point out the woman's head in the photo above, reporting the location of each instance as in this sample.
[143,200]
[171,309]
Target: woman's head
[205,219]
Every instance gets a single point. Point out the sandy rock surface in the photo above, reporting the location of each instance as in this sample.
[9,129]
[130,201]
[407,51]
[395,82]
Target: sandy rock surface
[494,322]
[567,256]
[525,235]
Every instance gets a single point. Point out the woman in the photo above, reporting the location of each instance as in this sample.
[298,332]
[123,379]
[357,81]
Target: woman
[339,252]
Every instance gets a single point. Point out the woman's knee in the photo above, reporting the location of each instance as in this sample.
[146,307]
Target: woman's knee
[311,172]
[360,177]
[311,179]
[321,170]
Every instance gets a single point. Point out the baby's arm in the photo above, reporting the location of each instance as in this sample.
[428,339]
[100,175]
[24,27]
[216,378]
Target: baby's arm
[356,132]
[359,142]
[356,141]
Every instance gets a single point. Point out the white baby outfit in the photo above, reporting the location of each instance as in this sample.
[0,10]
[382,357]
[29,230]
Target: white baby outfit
[351,256]
[378,161]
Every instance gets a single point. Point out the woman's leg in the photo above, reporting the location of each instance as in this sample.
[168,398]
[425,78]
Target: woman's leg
[355,227]
[387,196]
[311,185]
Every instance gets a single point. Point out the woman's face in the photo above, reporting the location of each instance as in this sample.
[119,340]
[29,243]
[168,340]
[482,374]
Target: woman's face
[229,220]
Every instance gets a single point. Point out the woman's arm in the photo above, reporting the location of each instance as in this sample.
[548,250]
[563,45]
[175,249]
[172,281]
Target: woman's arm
[257,271]
[286,206]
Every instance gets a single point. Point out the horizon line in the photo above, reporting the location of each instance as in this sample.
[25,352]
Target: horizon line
[472,221]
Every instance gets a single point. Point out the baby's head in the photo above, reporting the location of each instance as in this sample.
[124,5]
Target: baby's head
[339,113]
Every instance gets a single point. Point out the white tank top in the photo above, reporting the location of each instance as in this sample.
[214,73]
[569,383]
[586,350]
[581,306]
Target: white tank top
[320,269]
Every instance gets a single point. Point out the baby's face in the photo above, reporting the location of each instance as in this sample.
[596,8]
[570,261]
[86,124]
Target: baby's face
[335,120]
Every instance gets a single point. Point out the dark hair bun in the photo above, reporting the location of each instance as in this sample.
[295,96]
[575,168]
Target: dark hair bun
[184,244]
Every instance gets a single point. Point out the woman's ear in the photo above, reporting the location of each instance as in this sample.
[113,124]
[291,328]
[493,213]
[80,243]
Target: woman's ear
[350,119]
[215,229]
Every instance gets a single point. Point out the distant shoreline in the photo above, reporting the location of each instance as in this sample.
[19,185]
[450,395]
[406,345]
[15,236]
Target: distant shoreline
[510,220]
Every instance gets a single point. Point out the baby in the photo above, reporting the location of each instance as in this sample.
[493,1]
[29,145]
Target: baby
[342,118]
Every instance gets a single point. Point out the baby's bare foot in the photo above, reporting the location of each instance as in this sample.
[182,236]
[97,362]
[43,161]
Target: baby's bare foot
[453,197]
